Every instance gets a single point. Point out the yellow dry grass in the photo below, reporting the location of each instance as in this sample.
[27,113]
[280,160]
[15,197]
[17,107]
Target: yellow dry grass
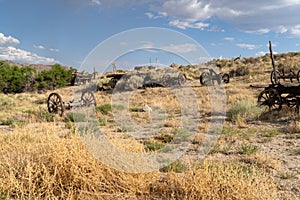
[36,163]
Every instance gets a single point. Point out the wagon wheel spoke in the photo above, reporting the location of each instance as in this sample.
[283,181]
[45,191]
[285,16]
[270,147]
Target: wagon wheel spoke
[205,79]
[55,104]
[88,99]
[225,78]
[270,99]
[181,79]
[298,76]
[272,77]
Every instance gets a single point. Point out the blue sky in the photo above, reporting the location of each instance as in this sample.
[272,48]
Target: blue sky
[66,32]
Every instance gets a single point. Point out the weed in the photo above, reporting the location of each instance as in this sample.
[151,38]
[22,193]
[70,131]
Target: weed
[244,110]
[3,196]
[104,109]
[6,103]
[248,149]
[8,122]
[176,166]
[153,145]
[136,109]
[76,117]
[118,107]
[270,133]
[103,121]
[125,129]
[297,152]
[288,175]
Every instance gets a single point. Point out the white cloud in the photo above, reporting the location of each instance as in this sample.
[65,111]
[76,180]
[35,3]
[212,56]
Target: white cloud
[257,16]
[181,48]
[54,50]
[95,2]
[149,15]
[248,46]
[259,31]
[9,52]
[186,24]
[19,55]
[8,40]
[39,47]
[261,53]
[230,39]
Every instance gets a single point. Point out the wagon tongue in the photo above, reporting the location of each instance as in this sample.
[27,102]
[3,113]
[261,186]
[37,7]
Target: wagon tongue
[273,62]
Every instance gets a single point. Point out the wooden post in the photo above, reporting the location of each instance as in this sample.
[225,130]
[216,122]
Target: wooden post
[94,73]
[273,62]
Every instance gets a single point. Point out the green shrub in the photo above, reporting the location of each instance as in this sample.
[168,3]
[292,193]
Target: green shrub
[57,76]
[248,149]
[104,109]
[245,110]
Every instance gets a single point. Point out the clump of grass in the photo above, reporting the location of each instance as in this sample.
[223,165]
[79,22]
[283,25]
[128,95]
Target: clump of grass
[103,121]
[104,109]
[297,152]
[177,166]
[248,149]
[40,115]
[76,117]
[288,175]
[8,122]
[154,145]
[6,103]
[270,133]
[245,110]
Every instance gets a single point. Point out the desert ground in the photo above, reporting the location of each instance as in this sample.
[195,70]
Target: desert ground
[256,154]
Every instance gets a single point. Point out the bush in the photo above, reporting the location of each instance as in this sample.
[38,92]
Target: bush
[245,110]
[14,79]
[57,76]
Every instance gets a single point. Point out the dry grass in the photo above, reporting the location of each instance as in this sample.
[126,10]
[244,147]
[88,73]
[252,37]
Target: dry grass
[38,164]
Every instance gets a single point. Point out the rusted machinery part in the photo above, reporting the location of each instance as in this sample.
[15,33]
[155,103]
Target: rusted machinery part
[55,104]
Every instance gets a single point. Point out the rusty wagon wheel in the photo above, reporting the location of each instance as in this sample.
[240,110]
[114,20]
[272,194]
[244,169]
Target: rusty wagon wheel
[225,78]
[88,99]
[298,76]
[55,104]
[272,77]
[205,79]
[271,99]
